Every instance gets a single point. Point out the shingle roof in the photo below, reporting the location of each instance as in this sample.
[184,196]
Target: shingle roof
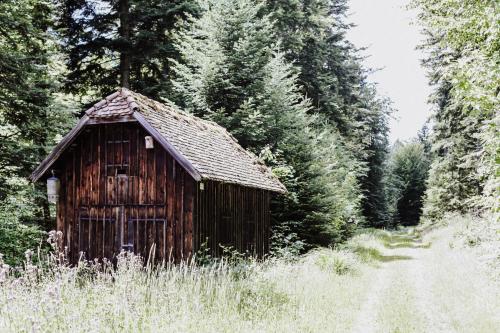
[209,148]
[120,103]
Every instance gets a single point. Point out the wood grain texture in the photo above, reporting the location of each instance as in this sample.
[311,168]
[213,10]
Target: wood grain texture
[232,216]
[116,194]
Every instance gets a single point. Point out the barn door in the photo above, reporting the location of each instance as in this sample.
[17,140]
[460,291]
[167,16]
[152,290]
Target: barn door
[96,232]
[142,228]
[102,229]
[148,236]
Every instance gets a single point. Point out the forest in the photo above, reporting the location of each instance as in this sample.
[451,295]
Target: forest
[283,78]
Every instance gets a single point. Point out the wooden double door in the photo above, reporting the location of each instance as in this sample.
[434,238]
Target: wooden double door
[117,195]
[104,230]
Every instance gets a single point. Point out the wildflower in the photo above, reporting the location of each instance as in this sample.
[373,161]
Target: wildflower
[52,237]
[28,254]
[4,271]
[53,291]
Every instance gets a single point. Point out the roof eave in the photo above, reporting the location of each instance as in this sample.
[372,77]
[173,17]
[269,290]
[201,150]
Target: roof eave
[58,150]
[281,189]
[277,188]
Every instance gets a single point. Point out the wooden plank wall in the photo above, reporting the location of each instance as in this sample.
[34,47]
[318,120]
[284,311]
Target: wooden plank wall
[108,176]
[232,215]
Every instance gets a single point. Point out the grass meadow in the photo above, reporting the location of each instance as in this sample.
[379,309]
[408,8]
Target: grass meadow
[369,284]
[306,294]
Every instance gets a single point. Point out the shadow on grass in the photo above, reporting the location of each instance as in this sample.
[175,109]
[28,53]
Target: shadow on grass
[411,245]
[396,241]
[370,254]
[383,258]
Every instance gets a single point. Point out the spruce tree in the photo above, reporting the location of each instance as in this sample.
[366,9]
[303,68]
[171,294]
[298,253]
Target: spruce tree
[231,71]
[30,116]
[313,33]
[405,183]
[119,43]
[463,43]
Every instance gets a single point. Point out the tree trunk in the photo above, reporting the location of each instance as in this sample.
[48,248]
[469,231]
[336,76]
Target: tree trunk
[125,36]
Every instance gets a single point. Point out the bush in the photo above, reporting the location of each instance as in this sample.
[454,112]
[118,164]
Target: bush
[284,243]
[15,237]
[337,262]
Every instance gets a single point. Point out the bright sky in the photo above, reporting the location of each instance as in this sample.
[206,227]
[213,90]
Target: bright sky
[385,27]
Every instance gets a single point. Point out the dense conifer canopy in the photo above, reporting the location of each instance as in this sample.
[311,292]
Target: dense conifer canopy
[282,77]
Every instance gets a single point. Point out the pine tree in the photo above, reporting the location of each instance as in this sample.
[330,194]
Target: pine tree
[29,113]
[24,88]
[119,42]
[406,177]
[313,33]
[231,71]
[463,41]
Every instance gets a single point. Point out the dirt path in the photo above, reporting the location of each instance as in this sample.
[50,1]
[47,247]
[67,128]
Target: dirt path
[424,286]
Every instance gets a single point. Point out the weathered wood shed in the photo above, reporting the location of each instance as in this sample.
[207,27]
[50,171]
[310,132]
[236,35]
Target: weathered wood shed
[138,175]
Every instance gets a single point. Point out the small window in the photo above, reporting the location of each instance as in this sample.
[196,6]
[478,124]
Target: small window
[121,171]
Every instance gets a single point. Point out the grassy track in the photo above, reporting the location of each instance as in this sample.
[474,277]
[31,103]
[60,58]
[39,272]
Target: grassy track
[380,282]
[424,286]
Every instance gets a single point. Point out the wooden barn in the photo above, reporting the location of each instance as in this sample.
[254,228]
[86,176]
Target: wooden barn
[138,175]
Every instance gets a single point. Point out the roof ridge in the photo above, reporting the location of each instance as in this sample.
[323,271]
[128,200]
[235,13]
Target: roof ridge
[186,132]
[128,94]
[172,108]
[121,92]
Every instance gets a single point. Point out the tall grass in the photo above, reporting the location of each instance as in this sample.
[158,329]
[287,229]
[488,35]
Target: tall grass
[392,280]
[479,235]
[306,294]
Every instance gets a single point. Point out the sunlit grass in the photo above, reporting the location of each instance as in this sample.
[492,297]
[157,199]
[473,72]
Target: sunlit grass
[397,281]
[308,294]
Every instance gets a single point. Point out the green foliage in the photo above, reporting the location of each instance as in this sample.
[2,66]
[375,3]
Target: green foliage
[32,114]
[463,42]
[93,45]
[231,71]
[24,87]
[375,154]
[407,172]
[336,262]
[285,243]
[330,71]
[16,235]
[16,239]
